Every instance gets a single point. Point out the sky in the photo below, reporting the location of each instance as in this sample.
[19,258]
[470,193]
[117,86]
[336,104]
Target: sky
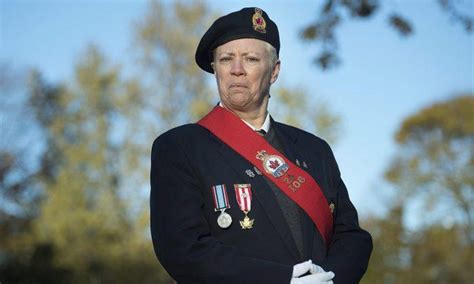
[382,79]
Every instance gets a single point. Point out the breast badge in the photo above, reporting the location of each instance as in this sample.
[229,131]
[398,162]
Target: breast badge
[273,164]
[250,173]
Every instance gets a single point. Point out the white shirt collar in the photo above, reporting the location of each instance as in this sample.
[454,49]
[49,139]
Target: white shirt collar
[265,126]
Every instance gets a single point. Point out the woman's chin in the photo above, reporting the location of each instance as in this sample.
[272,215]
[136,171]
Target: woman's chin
[238,101]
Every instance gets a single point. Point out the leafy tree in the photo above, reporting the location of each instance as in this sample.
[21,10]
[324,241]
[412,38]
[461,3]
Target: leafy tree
[334,12]
[436,161]
[434,167]
[85,230]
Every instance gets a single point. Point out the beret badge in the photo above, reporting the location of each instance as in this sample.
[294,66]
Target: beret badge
[258,21]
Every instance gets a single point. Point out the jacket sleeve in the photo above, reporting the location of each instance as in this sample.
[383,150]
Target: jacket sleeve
[351,246]
[180,232]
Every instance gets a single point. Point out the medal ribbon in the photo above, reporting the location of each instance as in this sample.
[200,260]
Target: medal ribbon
[303,190]
[244,196]
[221,201]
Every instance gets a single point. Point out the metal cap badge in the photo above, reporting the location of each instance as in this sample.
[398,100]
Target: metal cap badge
[258,21]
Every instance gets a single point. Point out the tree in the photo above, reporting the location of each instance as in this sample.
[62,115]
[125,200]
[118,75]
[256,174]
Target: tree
[434,167]
[333,12]
[86,229]
[437,159]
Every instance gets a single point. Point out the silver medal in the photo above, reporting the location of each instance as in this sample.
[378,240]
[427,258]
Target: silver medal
[224,220]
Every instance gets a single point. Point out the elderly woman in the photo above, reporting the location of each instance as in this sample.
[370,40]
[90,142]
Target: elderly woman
[240,198]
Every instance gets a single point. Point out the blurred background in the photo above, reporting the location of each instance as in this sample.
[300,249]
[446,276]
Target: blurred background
[86,86]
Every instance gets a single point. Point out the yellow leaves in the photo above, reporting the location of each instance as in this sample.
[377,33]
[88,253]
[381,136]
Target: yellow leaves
[436,147]
[78,226]
[454,118]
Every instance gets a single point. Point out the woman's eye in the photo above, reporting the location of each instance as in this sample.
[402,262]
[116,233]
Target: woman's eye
[253,59]
[225,59]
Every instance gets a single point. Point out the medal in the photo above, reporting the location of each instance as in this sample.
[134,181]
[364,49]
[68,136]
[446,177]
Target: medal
[224,220]
[243,193]
[221,203]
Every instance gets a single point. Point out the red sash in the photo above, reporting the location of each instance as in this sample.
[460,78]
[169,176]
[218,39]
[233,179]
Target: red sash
[292,180]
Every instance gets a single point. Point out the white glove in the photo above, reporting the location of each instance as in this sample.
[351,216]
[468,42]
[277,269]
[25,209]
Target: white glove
[318,275]
[316,269]
[318,278]
[301,268]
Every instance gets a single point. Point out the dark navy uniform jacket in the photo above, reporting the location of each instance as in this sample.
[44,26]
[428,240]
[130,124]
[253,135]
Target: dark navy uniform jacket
[187,161]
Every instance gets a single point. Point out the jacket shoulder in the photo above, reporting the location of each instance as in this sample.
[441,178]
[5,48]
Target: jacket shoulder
[182,133]
[188,137]
[302,135]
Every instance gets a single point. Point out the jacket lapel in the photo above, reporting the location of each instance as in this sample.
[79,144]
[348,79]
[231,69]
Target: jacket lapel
[263,195]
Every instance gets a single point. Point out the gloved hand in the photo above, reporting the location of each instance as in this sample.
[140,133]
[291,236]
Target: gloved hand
[301,268]
[318,278]
[316,269]
[318,275]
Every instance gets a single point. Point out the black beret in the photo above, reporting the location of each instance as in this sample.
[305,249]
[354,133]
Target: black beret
[246,23]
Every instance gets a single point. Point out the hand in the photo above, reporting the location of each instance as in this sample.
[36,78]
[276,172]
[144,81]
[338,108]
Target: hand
[318,278]
[318,275]
[316,269]
[301,268]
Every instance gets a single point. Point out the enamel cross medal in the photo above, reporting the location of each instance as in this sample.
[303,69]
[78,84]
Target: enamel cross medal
[221,203]
[243,193]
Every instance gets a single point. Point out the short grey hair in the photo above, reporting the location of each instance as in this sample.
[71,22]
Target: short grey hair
[271,51]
